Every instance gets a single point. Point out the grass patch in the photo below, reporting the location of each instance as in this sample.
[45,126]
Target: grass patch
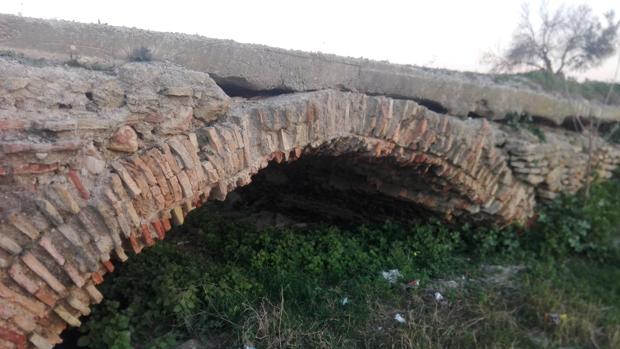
[322,287]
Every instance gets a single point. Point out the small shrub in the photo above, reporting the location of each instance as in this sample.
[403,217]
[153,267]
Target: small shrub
[524,121]
[140,54]
[573,225]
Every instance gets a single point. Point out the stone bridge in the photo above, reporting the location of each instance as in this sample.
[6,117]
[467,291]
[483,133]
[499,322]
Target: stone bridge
[100,157]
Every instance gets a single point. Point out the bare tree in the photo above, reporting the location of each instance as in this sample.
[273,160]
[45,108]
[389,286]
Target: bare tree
[569,39]
[591,128]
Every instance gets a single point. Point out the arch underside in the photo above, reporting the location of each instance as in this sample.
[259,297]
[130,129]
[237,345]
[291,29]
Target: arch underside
[65,215]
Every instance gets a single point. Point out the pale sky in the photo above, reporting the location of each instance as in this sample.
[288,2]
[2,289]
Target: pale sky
[434,33]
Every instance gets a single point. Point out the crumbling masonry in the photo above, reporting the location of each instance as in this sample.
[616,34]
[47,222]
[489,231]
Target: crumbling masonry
[100,157]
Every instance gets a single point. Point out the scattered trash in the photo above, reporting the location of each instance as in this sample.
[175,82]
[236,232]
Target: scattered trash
[249,347]
[344,301]
[555,318]
[400,318]
[413,284]
[380,328]
[438,296]
[392,275]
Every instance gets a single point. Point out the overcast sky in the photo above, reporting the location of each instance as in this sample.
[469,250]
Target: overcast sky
[436,33]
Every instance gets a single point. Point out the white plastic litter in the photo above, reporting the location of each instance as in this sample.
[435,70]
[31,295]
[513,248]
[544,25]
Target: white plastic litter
[438,296]
[392,275]
[400,318]
[249,347]
[345,301]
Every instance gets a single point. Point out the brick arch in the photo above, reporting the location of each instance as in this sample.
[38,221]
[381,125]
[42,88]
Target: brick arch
[65,233]
[95,164]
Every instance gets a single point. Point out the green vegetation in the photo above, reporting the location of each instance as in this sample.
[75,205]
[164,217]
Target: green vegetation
[565,86]
[554,284]
[525,121]
[140,54]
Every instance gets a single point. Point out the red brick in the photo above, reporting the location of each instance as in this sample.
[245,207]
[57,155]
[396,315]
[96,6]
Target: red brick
[135,245]
[109,266]
[45,297]
[12,124]
[18,274]
[166,224]
[75,179]
[48,246]
[160,229]
[33,306]
[97,278]
[420,158]
[278,156]
[13,337]
[34,168]
[146,234]
[74,275]
[22,147]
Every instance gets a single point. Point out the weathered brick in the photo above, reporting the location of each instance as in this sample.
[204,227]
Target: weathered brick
[158,198]
[28,147]
[166,224]
[25,321]
[78,305]
[13,124]
[74,275]
[49,211]
[108,266]
[186,186]
[66,316]
[48,246]
[148,174]
[92,291]
[45,297]
[9,245]
[177,146]
[176,188]
[169,159]
[18,274]
[120,253]
[133,215]
[14,337]
[110,222]
[38,268]
[146,234]
[31,305]
[96,277]
[71,235]
[34,169]
[74,177]
[117,187]
[161,162]
[131,185]
[97,232]
[40,342]
[67,199]
[24,226]
[140,179]
[135,245]
[177,215]
[159,228]
[194,140]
